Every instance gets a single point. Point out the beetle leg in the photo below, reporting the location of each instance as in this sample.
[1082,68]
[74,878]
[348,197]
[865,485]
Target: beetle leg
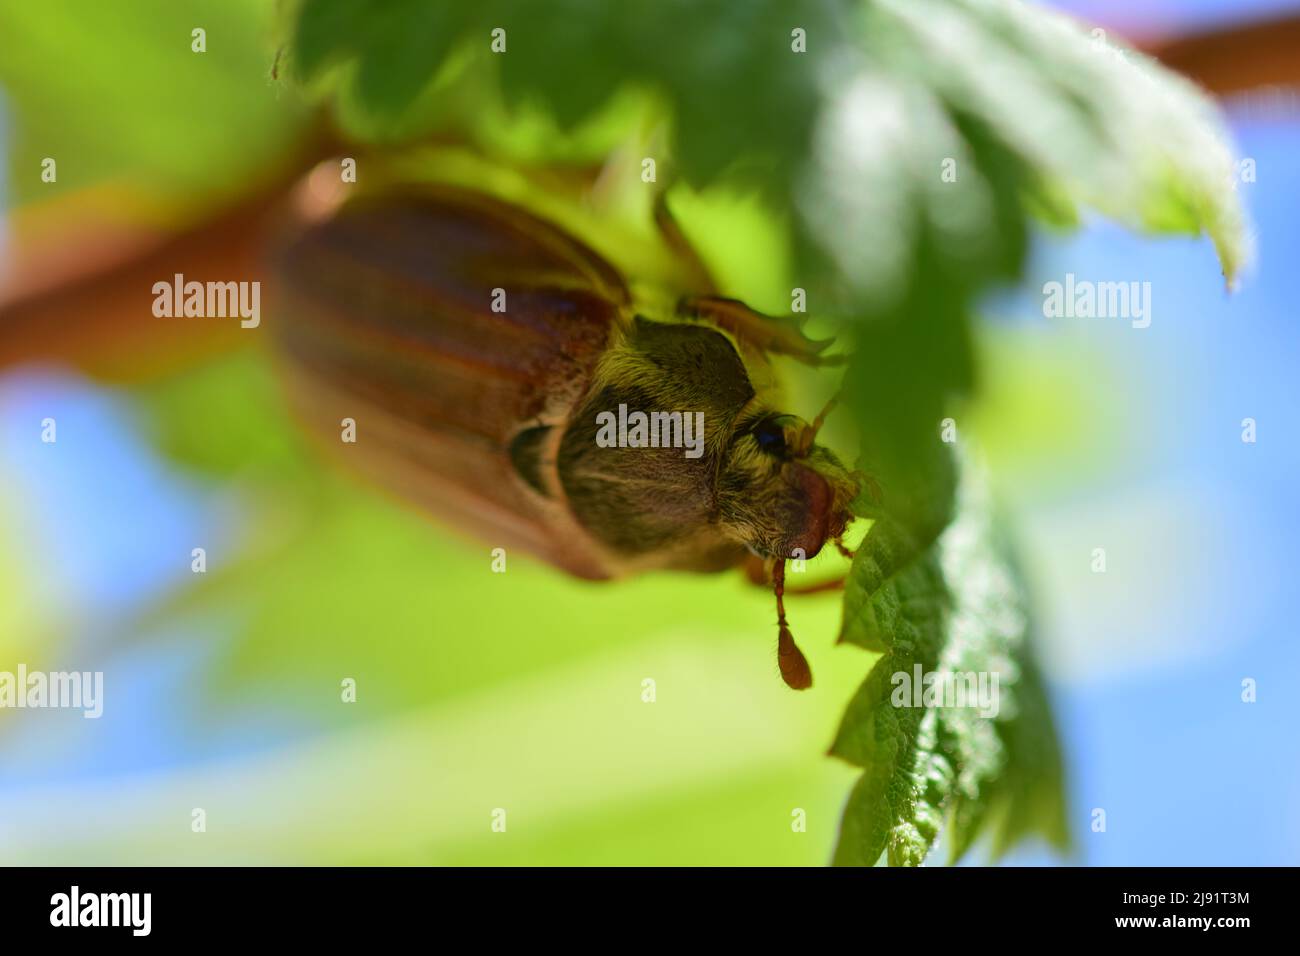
[809,434]
[793,665]
[780,335]
[700,277]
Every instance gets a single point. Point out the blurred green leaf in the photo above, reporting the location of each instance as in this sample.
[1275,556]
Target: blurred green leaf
[140,109]
[952,606]
[1019,97]
[724,71]
[248,426]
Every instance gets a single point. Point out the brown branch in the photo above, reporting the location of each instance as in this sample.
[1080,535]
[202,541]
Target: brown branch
[1236,58]
[80,294]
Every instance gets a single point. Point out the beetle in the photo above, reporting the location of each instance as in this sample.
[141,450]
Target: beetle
[484,349]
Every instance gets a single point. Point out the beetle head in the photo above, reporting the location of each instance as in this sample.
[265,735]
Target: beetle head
[779,492]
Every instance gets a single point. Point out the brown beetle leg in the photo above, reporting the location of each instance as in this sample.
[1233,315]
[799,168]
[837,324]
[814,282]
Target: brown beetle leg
[793,665]
[809,434]
[676,240]
[779,335]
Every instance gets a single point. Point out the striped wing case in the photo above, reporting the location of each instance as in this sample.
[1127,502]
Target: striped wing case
[457,332]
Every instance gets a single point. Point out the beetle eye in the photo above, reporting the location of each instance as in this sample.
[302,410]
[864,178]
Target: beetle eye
[770,436]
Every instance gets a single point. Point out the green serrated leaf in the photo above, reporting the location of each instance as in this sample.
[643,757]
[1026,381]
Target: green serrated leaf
[955,609]
[1114,128]
[892,598]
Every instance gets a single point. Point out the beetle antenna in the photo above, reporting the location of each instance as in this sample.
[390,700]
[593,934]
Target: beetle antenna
[794,666]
